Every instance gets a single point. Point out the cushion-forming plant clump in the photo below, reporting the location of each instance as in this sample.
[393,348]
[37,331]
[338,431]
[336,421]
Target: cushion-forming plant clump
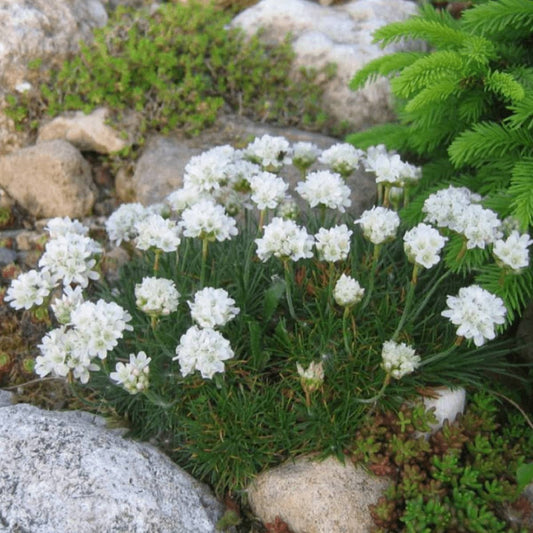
[238,340]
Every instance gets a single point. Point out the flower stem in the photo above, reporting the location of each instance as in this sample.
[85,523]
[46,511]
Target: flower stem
[345,316]
[287,269]
[375,398]
[205,243]
[370,290]
[157,253]
[408,300]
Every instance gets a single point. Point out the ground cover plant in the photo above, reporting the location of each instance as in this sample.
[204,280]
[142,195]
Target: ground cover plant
[247,327]
[202,65]
[464,107]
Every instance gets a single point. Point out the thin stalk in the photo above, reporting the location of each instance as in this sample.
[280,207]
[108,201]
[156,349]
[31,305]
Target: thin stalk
[345,317]
[157,255]
[375,398]
[408,300]
[370,289]
[288,280]
[205,243]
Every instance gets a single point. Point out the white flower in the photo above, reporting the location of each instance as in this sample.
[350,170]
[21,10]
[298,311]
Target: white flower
[206,172]
[304,154]
[154,231]
[423,244]
[54,348]
[183,198]
[203,350]
[409,174]
[267,190]
[342,158]
[240,171]
[23,87]
[312,377]
[269,152]
[333,244]
[70,257]
[133,376]
[476,312]
[206,220]
[513,252]
[62,307]
[29,289]
[288,208]
[100,325]
[212,307]
[379,224]
[58,226]
[284,239]
[347,291]
[156,296]
[480,226]
[325,188]
[445,207]
[387,168]
[398,359]
[120,226]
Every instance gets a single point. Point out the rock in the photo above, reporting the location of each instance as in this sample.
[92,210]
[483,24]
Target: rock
[7,256]
[65,472]
[447,404]
[6,398]
[160,168]
[86,132]
[317,497]
[49,179]
[38,30]
[340,34]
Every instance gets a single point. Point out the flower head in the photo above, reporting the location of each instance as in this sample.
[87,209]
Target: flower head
[342,158]
[347,291]
[379,224]
[304,154]
[61,226]
[480,226]
[513,251]
[63,307]
[154,231]
[207,220]
[133,376]
[269,152]
[284,239]
[398,359]
[325,188]
[312,377]
[423,245]
[204,350]
[212,307]
[183,198]
[268,191]
[476,312]
[156,296]
[333,244]
[207,171]
[121,225]
[30,289]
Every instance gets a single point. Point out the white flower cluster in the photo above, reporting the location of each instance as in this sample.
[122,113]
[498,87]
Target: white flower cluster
[93,331]
[379,224]
[120,225]
[183,198]
[343,158]
[268,191]
[58,226]
[156,296]
[207,220]
[269,152]
[423,244]
[133,376]
[513,251]
[212,307]
[333,244]
[202,349]
[347,291]
[284,239]
[63,307]
[389,167]
[154,231]
[476,311]
[29,289]
[304,154]
[325,188]
[312,377]
[398,359]
[205,172]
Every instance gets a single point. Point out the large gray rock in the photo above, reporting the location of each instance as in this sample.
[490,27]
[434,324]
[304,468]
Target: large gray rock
[49,179]
[161,166]
[64,472]
[317,497]
[340,34]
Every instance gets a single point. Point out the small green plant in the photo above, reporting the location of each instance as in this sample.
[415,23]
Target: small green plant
[176,68]
[465,108]
[460,479]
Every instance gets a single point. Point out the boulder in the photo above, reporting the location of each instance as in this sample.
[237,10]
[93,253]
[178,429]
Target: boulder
[317,496]
[340,34]
[160,168]
[88,133]
[65,472]
[49,179]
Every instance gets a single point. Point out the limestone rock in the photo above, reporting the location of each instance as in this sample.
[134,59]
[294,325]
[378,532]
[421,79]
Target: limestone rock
[65,472]
[160,169]
[340,34]
[49,179]
[85,132]
[317,497]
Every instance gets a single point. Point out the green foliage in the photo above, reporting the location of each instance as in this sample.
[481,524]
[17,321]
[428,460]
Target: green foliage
[459,479]
[469,99]
[177,68]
